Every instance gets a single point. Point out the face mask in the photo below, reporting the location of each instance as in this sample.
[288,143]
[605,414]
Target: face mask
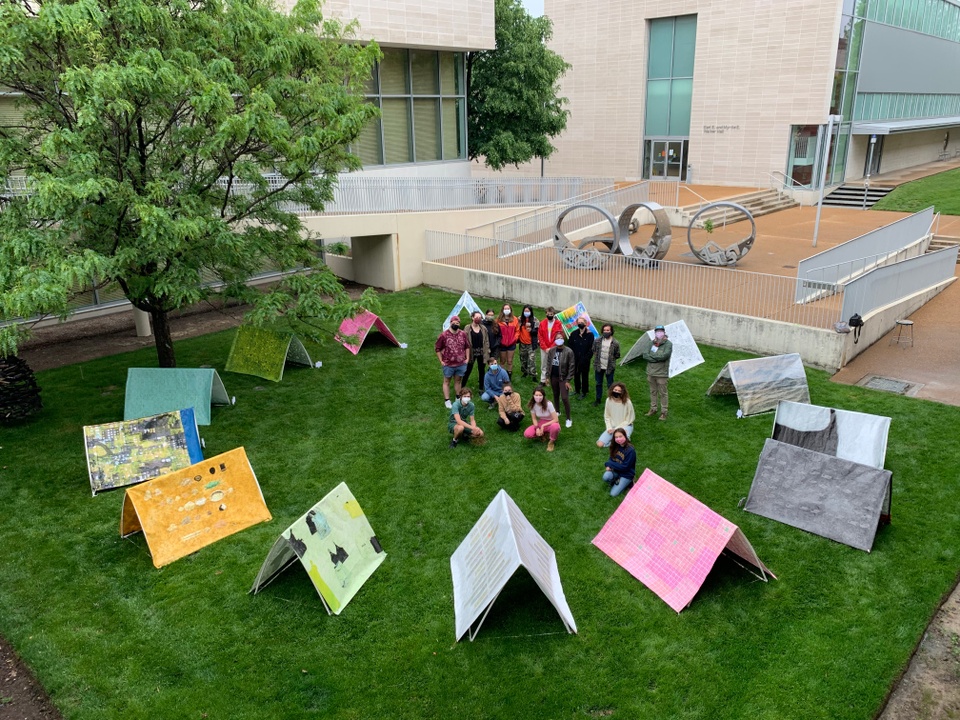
[549,317]
[489,318]
[526,313]
[660,334]
[464,399]
[581,326]
[607,333]
[558,342]
[506,312]
[454,326]
[618,394]
[538,399]
[620,439]
[477,321]
[494,368]
[508,393]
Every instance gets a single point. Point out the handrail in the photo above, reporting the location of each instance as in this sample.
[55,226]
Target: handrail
[694,192]
[782,185]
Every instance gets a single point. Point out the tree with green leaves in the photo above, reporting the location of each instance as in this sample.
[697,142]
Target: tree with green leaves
[165,145]
[512,92]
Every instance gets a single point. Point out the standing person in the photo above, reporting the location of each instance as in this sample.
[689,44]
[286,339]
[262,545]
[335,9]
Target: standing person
[562,363]
[658,370]
[462,421]
[621,466]
[529,342]
[510,409]
[493,332]
[509,329]
[581,342]
[549,330]
[606,352]
[479,347]
[453,351]
[493,381]
[617,413]
[544,417]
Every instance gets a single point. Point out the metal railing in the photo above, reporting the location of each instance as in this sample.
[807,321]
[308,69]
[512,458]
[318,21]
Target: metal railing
[783,187]
[714,288]
[817,282]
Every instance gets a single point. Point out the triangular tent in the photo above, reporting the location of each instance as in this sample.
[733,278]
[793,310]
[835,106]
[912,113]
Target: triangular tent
[465,302]
[669,540]
[132,451]
[264,353]
[151,391]
[854,436]
[186,510]
[568,319]
[336,546]
[819,493]
[685,355]
[500,543]
[353,331]
[763,382]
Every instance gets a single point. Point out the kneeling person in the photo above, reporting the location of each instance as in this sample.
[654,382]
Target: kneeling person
[510,409]
[462,422]
[621,467]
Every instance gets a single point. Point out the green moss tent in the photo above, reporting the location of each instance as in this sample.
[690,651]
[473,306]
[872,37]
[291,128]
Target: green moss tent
[265,353]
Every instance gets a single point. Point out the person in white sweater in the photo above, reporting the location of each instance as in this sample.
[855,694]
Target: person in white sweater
[617,413]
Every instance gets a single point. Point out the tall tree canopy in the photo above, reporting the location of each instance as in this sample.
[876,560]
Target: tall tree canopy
[513,106]
[163,142]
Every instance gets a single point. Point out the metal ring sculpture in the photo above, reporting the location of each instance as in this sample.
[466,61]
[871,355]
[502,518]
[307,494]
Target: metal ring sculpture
[713,254]
[577,255]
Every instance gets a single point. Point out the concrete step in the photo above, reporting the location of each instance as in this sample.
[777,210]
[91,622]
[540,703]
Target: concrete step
[852,196]
[761,202]
[941,242]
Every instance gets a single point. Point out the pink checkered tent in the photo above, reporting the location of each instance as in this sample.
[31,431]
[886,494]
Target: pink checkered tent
[355,330]
[669,540]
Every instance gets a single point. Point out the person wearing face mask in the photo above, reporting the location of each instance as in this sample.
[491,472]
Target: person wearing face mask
[479,346]
[529,342]
[462,422]
[509,329]
[510,409]
[493,331]
[543,415]
[561,365]
[453,351]
[493,382]
[549,330]
[617,413]
[581,342]
[658,370]
[606,352]
[621,467]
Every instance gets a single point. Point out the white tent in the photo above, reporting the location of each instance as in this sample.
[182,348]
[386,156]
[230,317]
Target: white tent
[685,355]
[761,383]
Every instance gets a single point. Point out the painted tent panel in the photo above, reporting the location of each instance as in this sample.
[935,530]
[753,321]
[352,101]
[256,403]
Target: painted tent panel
[336,546]
[184,511]
[568,319]
[353,331]
[265,353]
[500,543]
[669,540]
[464,303]
[854,436]
[822,494]
[133,451]
[151,391]
[763,382]
[686,353]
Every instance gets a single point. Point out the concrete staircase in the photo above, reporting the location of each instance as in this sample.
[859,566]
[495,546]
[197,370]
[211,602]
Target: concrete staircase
[761,202]
[851,196]
[941,242]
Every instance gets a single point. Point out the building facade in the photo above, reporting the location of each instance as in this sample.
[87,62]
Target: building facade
[739,92]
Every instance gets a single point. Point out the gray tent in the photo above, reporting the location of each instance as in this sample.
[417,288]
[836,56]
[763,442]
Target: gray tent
[761,383]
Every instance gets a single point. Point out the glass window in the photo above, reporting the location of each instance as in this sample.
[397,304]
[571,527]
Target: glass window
[849,86]
[658,107]
[661,48]
[369,147]
[370,86]
[453,116]
[423,70]
[681,95]
[450,64]
[684,46]
[426,129]
[396,130]
[393,72]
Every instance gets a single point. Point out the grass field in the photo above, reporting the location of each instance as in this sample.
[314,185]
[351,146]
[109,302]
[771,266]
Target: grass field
[110,637]
[941,190]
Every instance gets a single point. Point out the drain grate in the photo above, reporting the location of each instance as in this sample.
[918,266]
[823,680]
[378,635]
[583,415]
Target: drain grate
[899,387]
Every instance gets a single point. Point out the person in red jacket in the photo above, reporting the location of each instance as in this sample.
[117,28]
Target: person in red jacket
[509,332]
[549,330]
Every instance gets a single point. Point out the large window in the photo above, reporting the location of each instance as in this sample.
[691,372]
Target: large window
[899,106]
[670,76]
[940,18]
[422,101]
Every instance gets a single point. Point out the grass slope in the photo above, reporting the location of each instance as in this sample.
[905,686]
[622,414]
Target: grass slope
[111,637]
[941,190]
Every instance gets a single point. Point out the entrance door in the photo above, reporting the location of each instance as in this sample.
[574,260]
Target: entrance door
[665,159]
[871,164]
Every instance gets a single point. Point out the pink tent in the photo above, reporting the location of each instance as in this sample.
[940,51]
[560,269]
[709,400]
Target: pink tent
[357,328]
[669,540]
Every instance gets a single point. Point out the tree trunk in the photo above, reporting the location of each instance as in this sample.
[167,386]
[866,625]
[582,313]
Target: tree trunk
[164,342]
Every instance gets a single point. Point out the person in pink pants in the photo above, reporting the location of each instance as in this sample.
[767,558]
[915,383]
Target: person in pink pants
[546,423]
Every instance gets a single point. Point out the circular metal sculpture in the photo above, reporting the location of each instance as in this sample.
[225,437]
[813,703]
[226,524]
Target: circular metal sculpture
[584,255]
[713,254]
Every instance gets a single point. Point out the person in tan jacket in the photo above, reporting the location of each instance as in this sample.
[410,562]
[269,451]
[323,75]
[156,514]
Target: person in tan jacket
[510,409]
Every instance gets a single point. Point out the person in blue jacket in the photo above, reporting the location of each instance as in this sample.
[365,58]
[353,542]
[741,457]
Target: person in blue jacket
[621,468]
[493,381]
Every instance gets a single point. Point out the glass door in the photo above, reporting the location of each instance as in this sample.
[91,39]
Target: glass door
[665,159]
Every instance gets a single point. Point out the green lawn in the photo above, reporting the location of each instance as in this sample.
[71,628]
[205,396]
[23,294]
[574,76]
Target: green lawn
[110,636]
[941,190]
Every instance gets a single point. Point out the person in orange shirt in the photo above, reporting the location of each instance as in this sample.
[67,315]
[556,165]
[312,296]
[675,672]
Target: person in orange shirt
[509,330]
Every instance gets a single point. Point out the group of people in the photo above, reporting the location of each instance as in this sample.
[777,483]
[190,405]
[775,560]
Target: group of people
[489,343]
